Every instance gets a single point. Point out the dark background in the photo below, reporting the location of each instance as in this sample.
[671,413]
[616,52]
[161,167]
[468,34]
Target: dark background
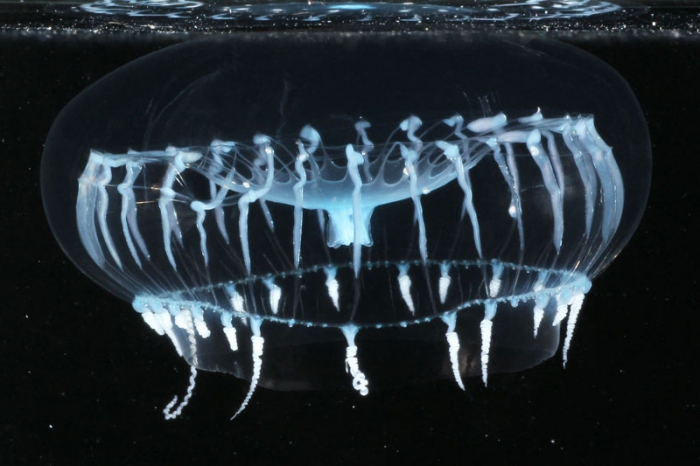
[83,380]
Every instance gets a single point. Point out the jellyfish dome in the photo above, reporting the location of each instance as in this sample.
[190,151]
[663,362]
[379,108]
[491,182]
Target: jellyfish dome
[364,210]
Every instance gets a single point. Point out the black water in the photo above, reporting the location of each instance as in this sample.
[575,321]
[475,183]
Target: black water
[83,380]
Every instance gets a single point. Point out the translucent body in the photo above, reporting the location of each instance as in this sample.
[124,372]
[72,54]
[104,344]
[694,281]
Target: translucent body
[437,203]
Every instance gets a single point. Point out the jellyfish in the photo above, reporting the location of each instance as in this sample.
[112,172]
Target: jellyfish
[311,211]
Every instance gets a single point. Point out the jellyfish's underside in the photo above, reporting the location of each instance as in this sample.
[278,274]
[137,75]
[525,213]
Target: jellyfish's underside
[363,212]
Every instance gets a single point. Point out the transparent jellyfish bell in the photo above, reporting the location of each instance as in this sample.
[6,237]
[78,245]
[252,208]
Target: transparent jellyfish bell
[395,209]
